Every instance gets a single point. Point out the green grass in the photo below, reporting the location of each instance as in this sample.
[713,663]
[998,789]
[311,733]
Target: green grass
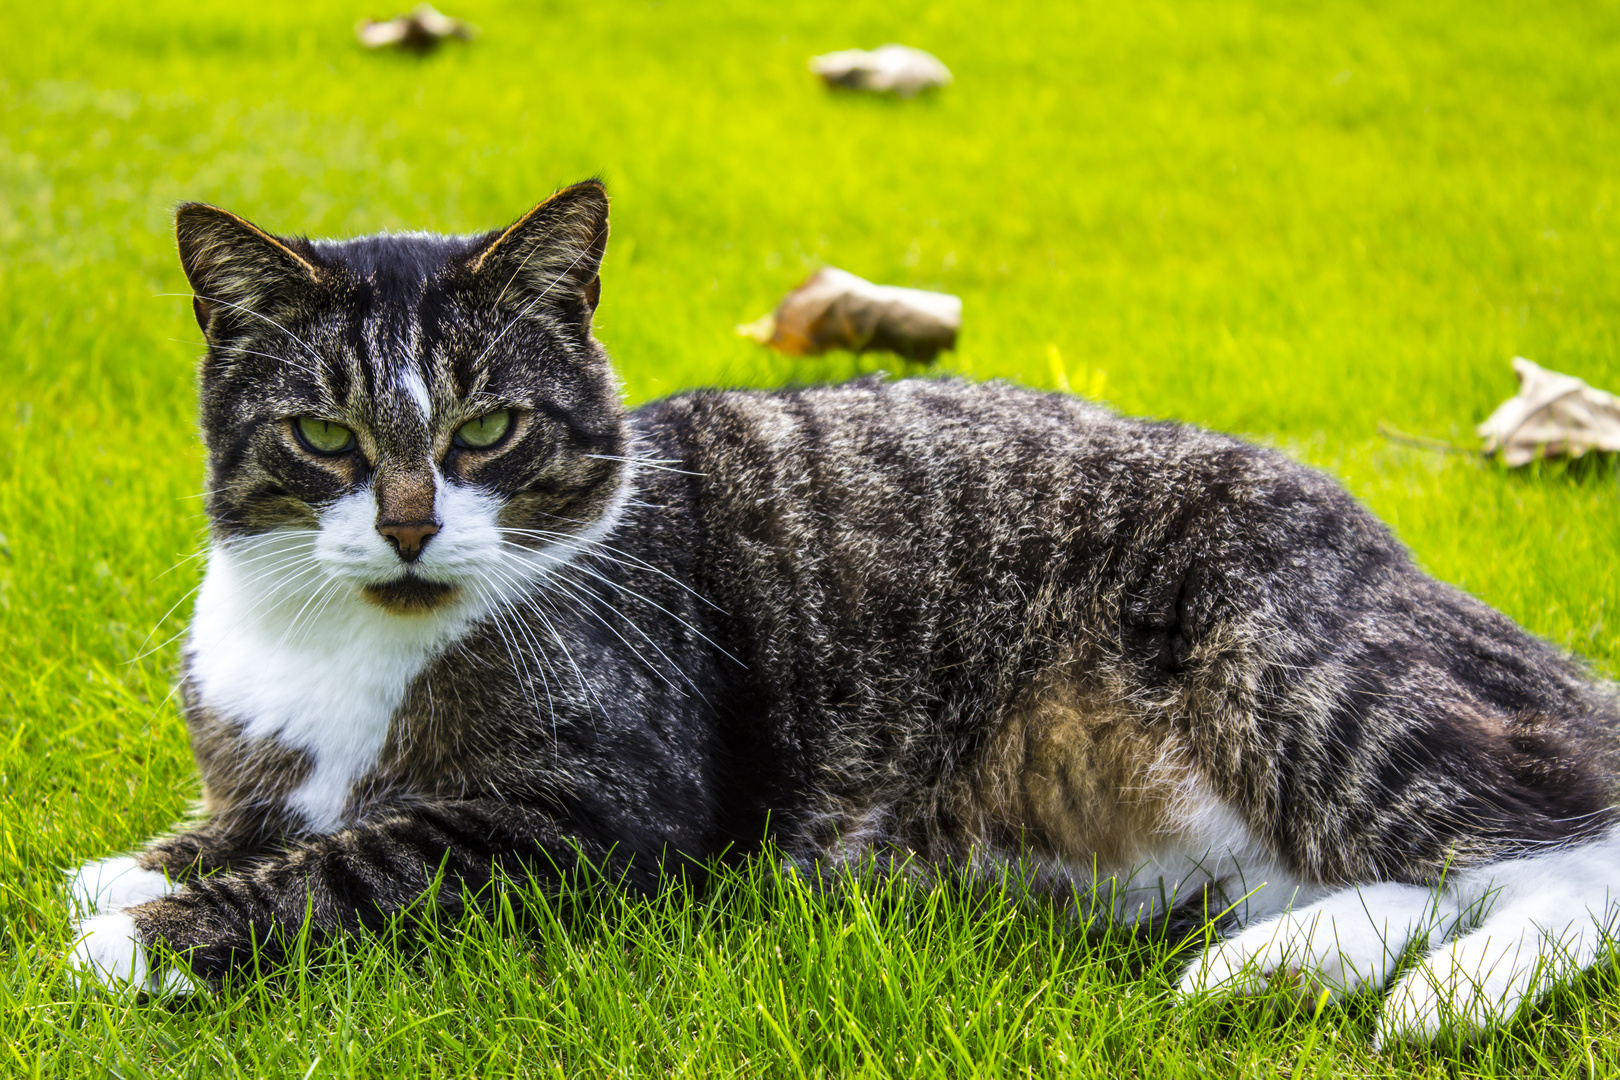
[1283,221]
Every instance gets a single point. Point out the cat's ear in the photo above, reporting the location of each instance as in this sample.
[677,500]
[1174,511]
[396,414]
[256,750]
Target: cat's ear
[552,256]
[239,272]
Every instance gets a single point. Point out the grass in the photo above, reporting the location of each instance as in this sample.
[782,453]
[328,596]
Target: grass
[1290,222]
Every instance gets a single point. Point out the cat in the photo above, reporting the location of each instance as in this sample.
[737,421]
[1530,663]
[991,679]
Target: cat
[465,616]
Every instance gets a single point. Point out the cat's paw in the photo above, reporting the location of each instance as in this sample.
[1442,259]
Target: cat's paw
[114,884]
[108,953]
[1480,979]
[1349,942]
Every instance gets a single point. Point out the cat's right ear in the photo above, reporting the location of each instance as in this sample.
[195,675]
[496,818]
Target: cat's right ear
[238,272]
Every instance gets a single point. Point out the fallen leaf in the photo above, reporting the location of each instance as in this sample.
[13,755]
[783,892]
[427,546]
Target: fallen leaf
[834,309]
[420,31]
[888,69]
[1552,415]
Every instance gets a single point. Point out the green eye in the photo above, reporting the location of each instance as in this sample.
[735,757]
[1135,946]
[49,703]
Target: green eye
[324,437]
[485,431]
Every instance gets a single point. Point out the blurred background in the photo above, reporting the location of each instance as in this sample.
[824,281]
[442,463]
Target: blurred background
[1251,215]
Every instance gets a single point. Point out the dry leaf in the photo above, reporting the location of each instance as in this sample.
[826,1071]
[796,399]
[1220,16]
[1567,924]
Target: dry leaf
[420,31]
[889,69]
[1552,415]
[834,309]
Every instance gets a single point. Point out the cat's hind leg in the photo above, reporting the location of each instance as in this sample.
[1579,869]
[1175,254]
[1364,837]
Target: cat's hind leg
[1535,921]
[1348,942]
[1506,931]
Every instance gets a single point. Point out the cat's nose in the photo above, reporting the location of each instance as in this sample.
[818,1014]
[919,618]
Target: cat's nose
[408,537]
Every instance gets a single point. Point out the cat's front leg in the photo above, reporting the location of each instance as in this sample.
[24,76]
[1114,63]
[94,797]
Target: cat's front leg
[106,948]
[113,884]
[102,886]
[247,918]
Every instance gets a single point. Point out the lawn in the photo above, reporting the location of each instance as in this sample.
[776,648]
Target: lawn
[1287,221]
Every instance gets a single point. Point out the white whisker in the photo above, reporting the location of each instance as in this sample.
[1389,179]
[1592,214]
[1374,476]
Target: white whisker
[544,662]
[519,596]
[249,311]
[627,591]
[596,548]
[165,643]
[506,641]
[649,464]
[193,557]
[187,595]
[556,584]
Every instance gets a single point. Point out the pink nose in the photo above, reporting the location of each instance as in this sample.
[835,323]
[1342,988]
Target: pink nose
[408,537]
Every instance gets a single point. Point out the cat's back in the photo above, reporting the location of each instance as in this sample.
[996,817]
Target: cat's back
[894,427]
[945,535]
[949,461]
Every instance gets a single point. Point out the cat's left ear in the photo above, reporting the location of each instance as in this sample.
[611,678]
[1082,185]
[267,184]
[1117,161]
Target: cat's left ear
[552,256]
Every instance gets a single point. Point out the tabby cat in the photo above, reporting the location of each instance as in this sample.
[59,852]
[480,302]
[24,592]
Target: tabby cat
[465,615]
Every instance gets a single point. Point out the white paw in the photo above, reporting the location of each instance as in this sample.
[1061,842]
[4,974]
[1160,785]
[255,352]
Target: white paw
[1348,942]
[1482,978]
[114,884]
[109,953]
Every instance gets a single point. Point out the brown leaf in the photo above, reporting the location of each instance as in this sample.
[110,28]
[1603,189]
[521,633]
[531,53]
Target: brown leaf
[420,31]
[834,309]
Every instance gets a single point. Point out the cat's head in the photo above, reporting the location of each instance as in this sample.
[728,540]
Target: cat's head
[430,415]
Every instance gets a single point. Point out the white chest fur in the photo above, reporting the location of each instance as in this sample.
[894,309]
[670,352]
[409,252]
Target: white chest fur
[307,662]
[283,642]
